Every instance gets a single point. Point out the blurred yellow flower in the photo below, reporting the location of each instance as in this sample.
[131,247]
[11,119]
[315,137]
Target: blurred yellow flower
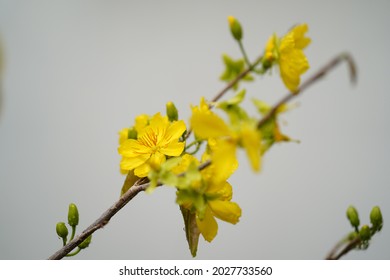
[288,53]
[209,196]
[157,138]
[208,125]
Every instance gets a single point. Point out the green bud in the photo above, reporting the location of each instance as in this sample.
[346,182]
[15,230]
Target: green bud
[365,233]
[73,215]
[353,216]
[172,112]
[235,28]
[266,64]
[62,230]
[376,218]
[132,134]
[352,235]
[85,243]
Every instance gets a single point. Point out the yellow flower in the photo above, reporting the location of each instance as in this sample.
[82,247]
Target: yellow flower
[209,196]
[220,207]
[156,140]
[288,53]
[123,136]
[208,125]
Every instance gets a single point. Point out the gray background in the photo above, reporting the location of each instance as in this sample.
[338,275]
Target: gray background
[76,72]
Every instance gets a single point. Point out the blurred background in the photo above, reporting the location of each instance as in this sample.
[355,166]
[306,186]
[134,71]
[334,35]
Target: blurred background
[74,73]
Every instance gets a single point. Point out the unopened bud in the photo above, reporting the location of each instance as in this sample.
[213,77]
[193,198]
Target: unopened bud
[376,218]
[235,28]
[132,134]
[172,112]
[365,233]
[73,215]
[353,216]
[352,235]
[62,230]
[85,243]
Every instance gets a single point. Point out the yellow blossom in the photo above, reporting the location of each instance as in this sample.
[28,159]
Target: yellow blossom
[208,125]
[288,53]
[123,136]
[210,198]
[156,140]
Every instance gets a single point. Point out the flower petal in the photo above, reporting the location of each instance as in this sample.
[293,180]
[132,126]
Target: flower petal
[250,139]
[208,125]
[142,170]
[226,210]
[132,148]
[175,130]
[223,160]
[208,227]
[224,190]
[173,149]
[129,163]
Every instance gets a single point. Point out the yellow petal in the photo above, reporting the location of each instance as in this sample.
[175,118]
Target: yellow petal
[226,210]
[251,142]
[270,48]
[208,125]
[141,122]
[129,163]
[132,148]
[173,149]
[157,128]
[123,135]
[301,41]
[142,170]
[224,190]
[156,160]
[223,159]
[174,131]
[292,66]
[208,227]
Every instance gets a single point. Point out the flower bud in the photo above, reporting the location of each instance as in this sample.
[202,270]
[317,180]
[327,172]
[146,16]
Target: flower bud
[73,215]
[132,134]
[376,218]
[352,235]
[235,28]
[85,243]
[172,112]
[353,216]
[62,230]
[365,233]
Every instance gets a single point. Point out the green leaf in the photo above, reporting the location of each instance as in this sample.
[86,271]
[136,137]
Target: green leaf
[235,100]
[261,106]
[232,69]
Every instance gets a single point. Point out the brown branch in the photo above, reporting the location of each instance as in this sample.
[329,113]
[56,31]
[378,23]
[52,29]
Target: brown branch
[101,222]
[333,255]
[138,187]
[314,78]
[229,86]
[236,80]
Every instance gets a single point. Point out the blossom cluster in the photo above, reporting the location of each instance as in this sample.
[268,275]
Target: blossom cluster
[158,147]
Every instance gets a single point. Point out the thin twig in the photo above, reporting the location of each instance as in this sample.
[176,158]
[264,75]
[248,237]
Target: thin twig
[101,222]
[236,80]
[108,214]
[314,78]
[350,246]
[230,85]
